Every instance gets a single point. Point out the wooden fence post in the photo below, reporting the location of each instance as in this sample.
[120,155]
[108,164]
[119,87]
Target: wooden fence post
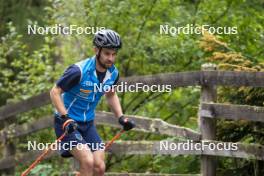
[207,126]
[9,149]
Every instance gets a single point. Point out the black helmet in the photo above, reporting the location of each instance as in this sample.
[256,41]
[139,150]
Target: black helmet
[107,38]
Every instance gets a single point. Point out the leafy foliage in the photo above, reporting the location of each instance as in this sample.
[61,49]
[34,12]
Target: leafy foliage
[30,64]
[243,131]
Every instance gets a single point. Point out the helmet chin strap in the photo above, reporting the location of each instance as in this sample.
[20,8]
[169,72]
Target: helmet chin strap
[99,53]
[98,59]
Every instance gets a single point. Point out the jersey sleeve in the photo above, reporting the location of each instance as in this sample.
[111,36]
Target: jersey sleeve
[70,78]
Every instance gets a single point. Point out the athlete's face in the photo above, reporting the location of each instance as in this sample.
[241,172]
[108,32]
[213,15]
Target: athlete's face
[107,57]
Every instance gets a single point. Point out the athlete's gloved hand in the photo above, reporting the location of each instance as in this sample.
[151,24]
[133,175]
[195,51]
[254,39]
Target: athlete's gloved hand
[126,123]
[68,125]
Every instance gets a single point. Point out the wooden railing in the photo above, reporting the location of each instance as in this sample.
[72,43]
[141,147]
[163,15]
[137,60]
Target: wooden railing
[209,112]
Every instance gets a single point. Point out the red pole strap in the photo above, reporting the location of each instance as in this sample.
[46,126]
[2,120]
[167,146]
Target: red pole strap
[40,158]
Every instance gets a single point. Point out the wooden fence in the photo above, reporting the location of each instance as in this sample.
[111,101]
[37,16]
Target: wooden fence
[209,111]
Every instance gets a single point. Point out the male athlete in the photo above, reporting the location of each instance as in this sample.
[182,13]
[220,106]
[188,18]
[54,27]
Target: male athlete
[75,98]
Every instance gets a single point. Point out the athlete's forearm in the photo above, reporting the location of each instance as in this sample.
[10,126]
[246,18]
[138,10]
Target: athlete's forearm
[114,103]
[55,95]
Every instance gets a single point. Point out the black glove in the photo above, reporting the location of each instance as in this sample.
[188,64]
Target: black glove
[126,123]
[68,125]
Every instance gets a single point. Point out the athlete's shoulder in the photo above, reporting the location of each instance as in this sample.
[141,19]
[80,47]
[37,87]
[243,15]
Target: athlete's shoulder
[85,61]
[86,64]
[113,68]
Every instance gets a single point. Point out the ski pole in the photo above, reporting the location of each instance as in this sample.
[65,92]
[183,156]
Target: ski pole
[113,139]
[40,158]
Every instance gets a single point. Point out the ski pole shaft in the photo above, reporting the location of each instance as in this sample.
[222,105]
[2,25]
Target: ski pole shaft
[40,158]
[113,139]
